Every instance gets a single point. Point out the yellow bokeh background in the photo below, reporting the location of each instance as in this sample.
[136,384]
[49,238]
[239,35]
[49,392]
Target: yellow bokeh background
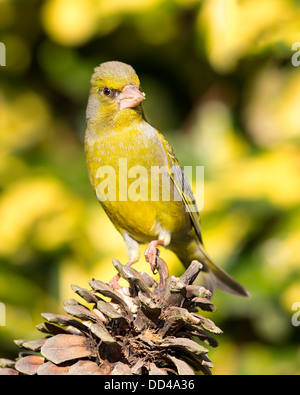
[222,87]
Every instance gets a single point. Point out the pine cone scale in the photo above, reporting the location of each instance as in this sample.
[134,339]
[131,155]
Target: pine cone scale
[148,327]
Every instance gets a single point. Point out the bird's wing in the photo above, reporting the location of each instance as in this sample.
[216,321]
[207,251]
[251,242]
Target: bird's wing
[181,182]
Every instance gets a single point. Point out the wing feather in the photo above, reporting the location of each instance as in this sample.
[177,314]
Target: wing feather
[182,185]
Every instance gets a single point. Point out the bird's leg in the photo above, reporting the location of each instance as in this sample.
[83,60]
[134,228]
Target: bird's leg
[152,252]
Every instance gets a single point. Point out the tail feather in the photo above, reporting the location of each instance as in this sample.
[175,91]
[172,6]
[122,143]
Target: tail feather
[217,277]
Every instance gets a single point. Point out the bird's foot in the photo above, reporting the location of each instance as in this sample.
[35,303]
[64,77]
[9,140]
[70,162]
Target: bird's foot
[114,283]
[152,252]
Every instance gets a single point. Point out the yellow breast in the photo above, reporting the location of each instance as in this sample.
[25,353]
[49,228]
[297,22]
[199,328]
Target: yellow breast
[129,174]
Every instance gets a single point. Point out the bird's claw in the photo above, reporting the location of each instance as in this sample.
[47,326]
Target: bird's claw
[151,254]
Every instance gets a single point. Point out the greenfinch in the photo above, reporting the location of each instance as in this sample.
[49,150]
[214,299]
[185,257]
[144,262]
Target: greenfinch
[122,152]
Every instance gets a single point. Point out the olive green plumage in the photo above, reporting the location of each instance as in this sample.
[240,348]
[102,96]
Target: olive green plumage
[118,138]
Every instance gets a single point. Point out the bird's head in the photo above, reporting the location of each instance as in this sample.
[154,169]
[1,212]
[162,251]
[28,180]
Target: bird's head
[115,88]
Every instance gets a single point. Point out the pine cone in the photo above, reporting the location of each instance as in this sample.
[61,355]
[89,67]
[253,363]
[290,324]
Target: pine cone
[147,328]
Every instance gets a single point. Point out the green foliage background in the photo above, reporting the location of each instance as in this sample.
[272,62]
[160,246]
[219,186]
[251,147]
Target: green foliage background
[221,86]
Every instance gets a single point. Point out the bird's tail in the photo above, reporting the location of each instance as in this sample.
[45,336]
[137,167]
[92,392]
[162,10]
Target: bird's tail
[213,276]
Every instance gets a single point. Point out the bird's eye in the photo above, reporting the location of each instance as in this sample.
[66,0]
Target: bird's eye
[106,91]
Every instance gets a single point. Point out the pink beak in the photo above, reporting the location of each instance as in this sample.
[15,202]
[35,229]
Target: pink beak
[130,97]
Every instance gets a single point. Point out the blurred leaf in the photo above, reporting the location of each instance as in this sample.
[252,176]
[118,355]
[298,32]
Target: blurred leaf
[219,79]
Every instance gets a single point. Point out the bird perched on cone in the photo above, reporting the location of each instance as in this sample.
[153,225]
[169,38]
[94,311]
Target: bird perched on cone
[122,152]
